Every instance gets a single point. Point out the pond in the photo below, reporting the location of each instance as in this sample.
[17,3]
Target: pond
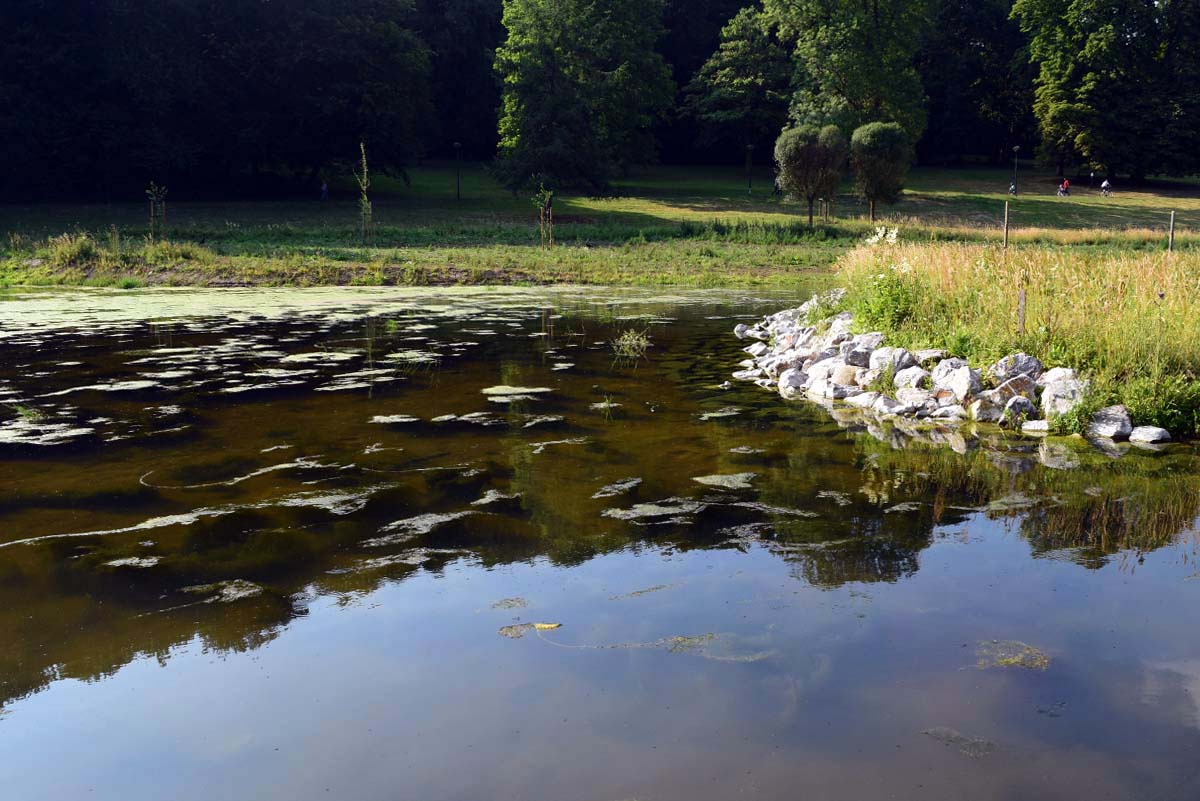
[447,544]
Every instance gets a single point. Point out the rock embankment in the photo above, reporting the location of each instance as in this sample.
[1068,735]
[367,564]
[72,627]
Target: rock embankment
[825,361]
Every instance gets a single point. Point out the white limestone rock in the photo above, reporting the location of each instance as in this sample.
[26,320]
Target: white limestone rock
[955,412]
[1015,365]
[985,410]
[1061,396]
[1036,427]
[911,377]
[930,355]
[885,405]
[1111,422]
[896,358]
[757,349]
[963,382]
[1021,385]
[791,382]
[1150,434]
[863,400]
[1017,409]
[912,396]
[1055,375]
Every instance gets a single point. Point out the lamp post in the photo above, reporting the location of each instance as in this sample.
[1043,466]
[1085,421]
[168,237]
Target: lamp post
[749,169]
[458,170]
[1016,151]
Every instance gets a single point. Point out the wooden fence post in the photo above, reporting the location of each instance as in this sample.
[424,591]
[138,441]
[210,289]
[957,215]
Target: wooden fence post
[1006,225]
[1171,234]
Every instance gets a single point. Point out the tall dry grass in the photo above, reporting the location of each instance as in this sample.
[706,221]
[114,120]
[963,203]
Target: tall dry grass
[1131,320]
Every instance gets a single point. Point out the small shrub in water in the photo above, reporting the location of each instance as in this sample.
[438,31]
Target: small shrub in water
[631,344]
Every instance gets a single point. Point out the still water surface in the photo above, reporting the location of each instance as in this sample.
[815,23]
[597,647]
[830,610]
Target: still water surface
[297,545]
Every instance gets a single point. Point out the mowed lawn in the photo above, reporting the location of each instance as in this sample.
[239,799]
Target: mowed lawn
[656,196]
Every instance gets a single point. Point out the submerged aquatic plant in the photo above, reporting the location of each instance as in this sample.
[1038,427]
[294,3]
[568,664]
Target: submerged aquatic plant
[28,413]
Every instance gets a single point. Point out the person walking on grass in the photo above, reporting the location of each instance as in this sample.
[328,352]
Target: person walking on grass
[1067,187]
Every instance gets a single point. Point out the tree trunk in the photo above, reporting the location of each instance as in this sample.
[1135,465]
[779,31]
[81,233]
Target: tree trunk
[810,212]
[872,204]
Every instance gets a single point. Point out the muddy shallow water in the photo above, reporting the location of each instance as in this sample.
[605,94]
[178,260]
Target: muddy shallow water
[445,544]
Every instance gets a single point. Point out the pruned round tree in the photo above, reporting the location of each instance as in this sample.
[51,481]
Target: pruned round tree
[880,153]
[810,162]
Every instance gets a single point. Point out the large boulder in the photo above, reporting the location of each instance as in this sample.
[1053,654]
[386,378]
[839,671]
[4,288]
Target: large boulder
[930,355]
[1151,434]
[913,397]
[896,358]
[1111,422]
[1061,396]
[839,329]
[1021,385]
[863,400]
[757,349]
[1056,374]
[963,382]
[1036,427]
[824,368]
[845,375]
[1018,409]
[860,348]
[955,412]
[792,382]
[868,377]
[870,341]
[942,370]
[911,377]
[885,405]
[985,410]
[824,388]
[1015,365]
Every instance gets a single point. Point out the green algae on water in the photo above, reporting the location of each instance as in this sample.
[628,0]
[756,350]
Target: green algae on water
[1010,653]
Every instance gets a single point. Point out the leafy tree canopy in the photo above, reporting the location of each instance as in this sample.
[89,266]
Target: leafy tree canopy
[105,95]
[857,58]
[741,93]
[1103,79]
[976,73]
[582,86]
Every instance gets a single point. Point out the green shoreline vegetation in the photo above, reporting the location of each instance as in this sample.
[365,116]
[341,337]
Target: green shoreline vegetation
[667,226]
[1127,321]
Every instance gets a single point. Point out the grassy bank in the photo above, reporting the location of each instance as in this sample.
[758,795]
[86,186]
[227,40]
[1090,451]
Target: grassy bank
[678,226]
[712,255]
[1128,320]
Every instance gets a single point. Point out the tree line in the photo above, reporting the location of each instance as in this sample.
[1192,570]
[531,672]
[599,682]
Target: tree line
[231,96]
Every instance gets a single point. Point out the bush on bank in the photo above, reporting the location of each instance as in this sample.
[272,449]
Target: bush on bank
[1129,321]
